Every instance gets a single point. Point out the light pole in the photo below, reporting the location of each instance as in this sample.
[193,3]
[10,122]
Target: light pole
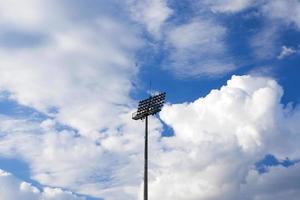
[147,107]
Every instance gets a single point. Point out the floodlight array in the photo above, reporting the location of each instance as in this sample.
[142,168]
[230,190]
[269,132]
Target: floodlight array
[149,106]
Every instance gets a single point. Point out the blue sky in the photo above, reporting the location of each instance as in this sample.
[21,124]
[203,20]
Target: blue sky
[72,72]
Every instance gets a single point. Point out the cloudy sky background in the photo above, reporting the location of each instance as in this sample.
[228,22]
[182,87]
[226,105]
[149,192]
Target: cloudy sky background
[72,72]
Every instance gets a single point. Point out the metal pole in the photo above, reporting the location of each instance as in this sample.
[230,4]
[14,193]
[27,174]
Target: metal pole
[146,161]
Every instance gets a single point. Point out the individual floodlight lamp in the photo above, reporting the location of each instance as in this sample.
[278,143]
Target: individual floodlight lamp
[147,107]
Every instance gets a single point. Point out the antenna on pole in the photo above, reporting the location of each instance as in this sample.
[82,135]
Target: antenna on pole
[150,87]
[147,107]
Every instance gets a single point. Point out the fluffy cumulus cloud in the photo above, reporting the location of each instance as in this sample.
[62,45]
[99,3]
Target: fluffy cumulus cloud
[108,168]
[280,183]
[198,49]
[13,188]
[218,139]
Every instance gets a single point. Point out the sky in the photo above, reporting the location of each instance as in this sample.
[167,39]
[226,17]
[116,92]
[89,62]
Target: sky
[72,73]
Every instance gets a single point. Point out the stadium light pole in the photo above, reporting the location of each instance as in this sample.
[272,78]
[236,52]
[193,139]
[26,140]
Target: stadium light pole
[147,107]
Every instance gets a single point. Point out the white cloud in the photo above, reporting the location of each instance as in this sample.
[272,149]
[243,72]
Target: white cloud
[265,43]
[198,49]
[82,75]
[30,15]
[12,188]
[151,13]
[244,107]
[286,11]
[286,51]
[218,139]
[109,168]
[197,33]
[279,183]
[83,71]
[278,15]
[228,6]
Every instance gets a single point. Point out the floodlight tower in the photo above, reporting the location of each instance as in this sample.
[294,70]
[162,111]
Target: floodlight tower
[147,107]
